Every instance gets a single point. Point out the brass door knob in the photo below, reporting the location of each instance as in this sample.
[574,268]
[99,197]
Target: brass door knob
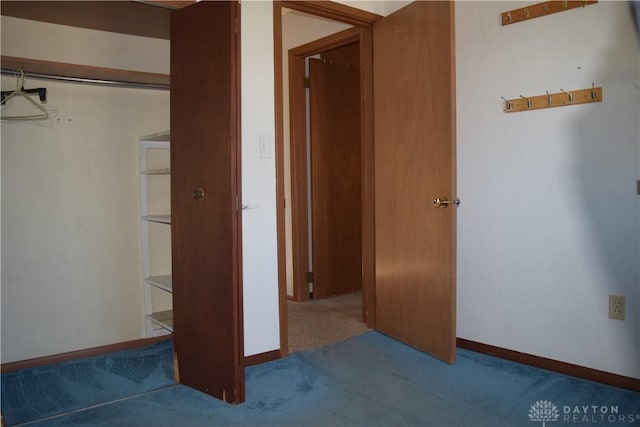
[440,202]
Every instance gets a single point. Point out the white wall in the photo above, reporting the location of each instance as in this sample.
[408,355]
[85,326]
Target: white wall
[297,29]
[548,225]
[260,262]
[379,7]
[71,276]
[373,6]
[61,43]
[391,6]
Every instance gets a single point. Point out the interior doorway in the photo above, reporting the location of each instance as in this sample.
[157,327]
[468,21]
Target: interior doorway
[408,253]
[325,143]
[325,122]
[327,176]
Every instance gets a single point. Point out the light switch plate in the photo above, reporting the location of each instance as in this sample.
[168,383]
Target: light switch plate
[264,146]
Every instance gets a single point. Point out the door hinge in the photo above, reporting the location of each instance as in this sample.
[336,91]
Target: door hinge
[237,202]
[307,82]
[310,277]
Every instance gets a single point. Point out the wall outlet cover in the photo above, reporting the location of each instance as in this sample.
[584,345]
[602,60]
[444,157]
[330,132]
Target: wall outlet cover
[616,307]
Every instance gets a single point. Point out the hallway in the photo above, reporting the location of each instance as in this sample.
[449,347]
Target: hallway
[315,323]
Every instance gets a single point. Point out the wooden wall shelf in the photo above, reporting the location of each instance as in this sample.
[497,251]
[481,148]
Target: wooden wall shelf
[97,75]
[551,100]
[150,18]
[125,17]
[541,9]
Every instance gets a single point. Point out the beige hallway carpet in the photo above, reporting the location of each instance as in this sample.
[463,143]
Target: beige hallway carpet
[315,323]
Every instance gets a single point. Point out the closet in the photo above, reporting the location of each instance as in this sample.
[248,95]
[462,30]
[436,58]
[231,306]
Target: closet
[204,178]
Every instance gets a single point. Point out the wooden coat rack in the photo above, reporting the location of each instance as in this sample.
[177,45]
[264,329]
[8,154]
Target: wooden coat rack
[551,100]
[541,9]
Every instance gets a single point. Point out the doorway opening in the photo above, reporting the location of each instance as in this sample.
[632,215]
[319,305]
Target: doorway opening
[328,290]
[408,254]
[324,141]
[324,111]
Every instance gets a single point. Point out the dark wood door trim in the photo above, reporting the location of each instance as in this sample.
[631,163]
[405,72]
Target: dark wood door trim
[170,4]
[298,164]
[345,37]
[236,221]
[280,195]
[335,11]
[367,171]
[365,38]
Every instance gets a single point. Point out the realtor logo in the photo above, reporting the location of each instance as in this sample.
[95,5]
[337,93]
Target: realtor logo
[543,410]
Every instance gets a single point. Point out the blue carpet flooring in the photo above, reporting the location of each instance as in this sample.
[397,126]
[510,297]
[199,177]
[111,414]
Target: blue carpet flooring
[369,380]
[42,392]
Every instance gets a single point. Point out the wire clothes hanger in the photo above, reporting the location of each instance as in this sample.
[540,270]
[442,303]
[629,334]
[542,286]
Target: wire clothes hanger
[20,92]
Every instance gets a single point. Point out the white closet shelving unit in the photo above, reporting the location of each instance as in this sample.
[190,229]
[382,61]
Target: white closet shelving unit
[155,230]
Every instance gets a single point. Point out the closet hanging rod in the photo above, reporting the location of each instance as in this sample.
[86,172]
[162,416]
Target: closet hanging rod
[83,80]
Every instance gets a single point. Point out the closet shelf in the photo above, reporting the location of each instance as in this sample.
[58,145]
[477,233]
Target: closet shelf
[88,74]
[164,136]
[162,282]
[163,319]
[163,171]
[164,219]
[154,159]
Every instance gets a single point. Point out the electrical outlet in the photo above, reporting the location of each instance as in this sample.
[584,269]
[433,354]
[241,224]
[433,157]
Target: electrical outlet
[616,307]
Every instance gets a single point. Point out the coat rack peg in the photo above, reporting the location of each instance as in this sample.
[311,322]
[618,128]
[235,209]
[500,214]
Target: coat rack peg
[570,95]
[549,99]
[528,101]
[594,95]
[509,104]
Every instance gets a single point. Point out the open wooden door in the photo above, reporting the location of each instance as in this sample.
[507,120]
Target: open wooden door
[205,189]
[414,131]
[335,177]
